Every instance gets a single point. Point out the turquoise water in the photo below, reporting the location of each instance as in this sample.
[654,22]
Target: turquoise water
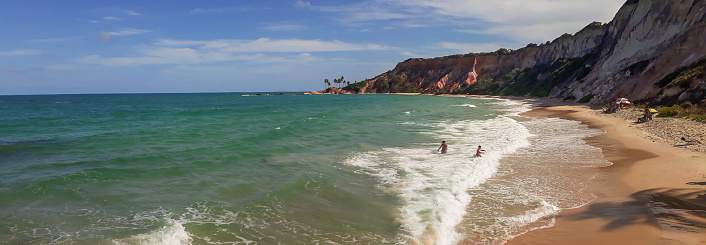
[275,169]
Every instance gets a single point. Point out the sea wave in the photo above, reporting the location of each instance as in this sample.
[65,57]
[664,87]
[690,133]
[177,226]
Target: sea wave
[433,187]
[172,233]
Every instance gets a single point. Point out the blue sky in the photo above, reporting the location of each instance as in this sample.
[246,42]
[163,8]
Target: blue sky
[59,47]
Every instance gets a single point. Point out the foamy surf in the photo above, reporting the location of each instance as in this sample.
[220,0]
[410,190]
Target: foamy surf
[534,183]
[434,187]
[173,233]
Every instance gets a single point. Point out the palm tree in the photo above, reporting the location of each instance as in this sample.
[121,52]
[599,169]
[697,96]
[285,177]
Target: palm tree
[328,84]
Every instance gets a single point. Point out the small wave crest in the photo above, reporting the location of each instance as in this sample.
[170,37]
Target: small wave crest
[173,233]
[467,105]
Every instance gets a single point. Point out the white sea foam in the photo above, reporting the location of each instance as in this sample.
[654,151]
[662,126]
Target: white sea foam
[518,222]
[433,187]
[534,183]
[512,107]
[173,233]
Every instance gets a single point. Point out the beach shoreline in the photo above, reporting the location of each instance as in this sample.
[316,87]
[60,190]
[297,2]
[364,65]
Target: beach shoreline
[654,193]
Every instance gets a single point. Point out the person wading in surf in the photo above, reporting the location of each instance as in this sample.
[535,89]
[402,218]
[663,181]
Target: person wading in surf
[443,147]
[479,152]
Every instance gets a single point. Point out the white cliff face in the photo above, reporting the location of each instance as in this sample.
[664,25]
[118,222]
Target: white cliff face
[668,34]
[651,23]
[583,42]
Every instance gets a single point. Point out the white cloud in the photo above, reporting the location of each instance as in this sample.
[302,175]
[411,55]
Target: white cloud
[522,11]
[298,45]
[107,36]
[470,47]
[21,52]
[52,40]
[374,10]
[14,70]
[521,20]
[273,45]
[194,52]
[103,36]
[305,4]
[180,56]
[410,54]
[65,67]
[378,15]
[283,27]
[111,18]
[532,33]
[129,31]
[217,10]
[132,12]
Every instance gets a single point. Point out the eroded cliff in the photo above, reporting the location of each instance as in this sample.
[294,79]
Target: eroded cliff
[647,42]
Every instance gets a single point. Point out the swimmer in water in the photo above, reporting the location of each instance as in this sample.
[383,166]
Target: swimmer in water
[443,147]
[479,152]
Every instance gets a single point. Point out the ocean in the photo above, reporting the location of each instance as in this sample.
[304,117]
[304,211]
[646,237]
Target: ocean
[228,168]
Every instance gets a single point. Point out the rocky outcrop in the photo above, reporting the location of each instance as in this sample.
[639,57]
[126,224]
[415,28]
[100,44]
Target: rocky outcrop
[663,35]
[628,57]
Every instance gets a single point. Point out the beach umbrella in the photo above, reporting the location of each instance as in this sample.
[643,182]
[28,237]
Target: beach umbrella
[622,100]
[652,110]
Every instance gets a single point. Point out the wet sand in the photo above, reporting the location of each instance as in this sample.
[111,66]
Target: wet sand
[654,193]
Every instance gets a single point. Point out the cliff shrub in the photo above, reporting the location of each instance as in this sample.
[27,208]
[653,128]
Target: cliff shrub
[638,67]
[595,24]
[583,72]
[696,113]
[356,87]
[670,111]
[503,51]
[587,98]
[698,118]
[461,89]
[382,85]
[570,97]
[395,84]
[686,72]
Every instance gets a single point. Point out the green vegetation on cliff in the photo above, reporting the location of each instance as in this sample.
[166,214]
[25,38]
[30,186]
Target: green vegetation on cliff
[356,87]
[691,79]
[683,75]
[586,98]
[537,81]
[395,85]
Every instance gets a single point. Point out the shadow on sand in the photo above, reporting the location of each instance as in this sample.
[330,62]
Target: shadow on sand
[683,209]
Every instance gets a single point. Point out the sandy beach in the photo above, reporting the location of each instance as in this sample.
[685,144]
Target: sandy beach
[654,193]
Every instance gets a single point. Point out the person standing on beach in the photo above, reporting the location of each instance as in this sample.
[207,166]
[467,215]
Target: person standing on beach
[479,152]
[443,147]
